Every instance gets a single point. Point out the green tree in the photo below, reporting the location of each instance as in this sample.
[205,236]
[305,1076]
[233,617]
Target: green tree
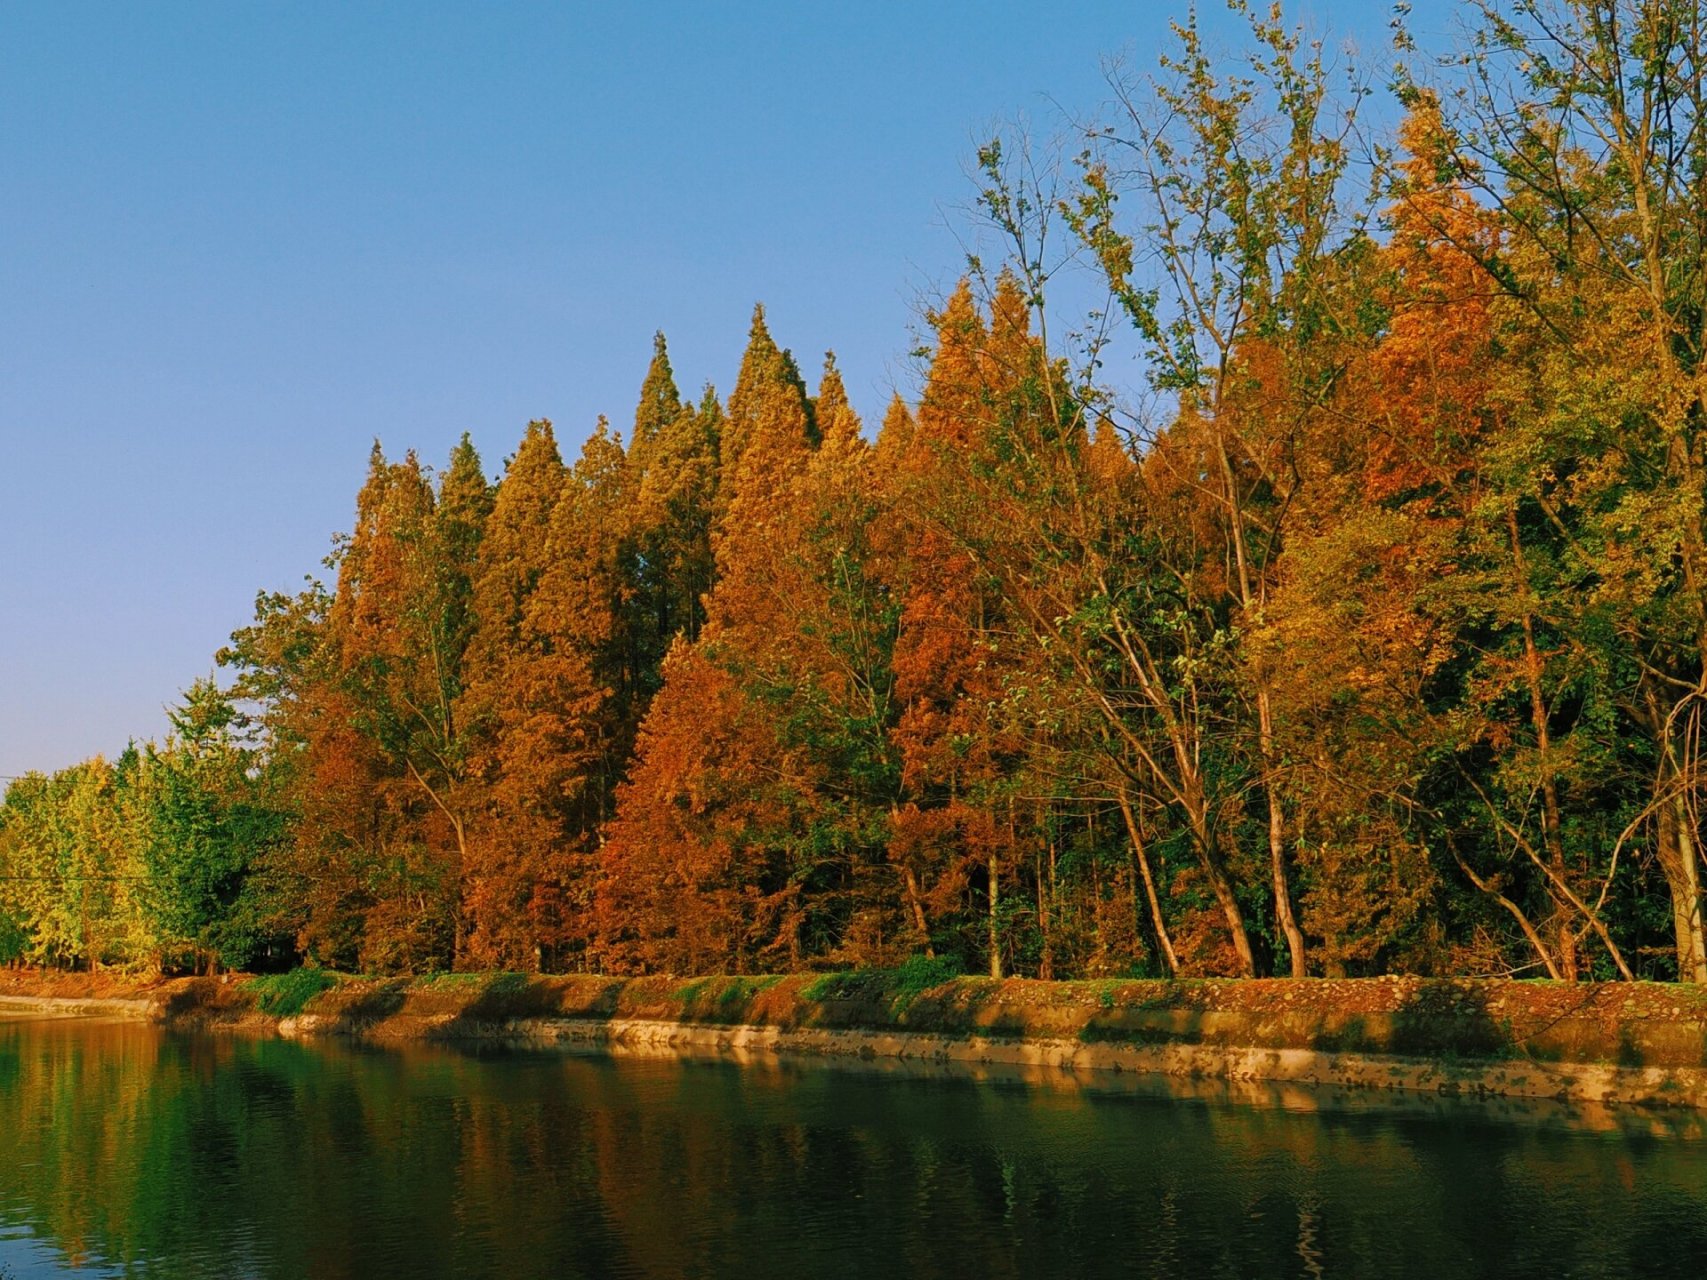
[206,828]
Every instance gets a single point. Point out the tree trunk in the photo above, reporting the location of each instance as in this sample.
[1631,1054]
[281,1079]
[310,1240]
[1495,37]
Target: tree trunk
[1680,861]
[1523,921]
[1676,843]
[1209,858]
[917,906]
[1249,604]
[1046,961]
[1141,860]
[1277,841]
[1565,936]
[1235,921]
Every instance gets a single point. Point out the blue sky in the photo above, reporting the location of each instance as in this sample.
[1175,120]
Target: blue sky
[239,241]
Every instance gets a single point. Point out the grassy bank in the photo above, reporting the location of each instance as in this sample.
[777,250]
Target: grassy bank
[1631,1025]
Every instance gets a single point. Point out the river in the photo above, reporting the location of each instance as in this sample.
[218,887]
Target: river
[128,1150]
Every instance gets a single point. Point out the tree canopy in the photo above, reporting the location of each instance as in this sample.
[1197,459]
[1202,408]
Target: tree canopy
[1357,625]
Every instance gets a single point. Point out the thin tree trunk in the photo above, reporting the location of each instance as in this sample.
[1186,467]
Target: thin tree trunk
[1552,828]
[1680,861]
[1277,841]
[1676,848]
[1046,961]
[1236,922]
[1529,930]
[914,902]
[1141,860]
[1210,859]
[1249,604]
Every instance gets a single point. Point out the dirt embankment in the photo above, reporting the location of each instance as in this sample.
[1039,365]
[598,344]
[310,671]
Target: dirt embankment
[1623,1043]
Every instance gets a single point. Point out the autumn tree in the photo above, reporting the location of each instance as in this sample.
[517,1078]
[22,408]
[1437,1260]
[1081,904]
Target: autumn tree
[961,744]
[764,774]
[1581,126]
[358,689]
[508,894]
[713,828]
[1359,626]
[560,724]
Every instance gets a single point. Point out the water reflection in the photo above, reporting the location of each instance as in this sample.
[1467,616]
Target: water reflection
[125,1150]
[1267,1094]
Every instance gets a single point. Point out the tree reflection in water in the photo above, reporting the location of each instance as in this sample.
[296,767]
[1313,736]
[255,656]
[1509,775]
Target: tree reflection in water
[128,1150]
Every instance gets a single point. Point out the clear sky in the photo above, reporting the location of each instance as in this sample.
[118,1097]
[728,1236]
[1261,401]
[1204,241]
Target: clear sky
[239,241]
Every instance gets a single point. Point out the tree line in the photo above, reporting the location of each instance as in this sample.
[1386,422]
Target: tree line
[1365,635]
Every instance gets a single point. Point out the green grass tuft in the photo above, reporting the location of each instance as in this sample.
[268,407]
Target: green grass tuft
[453,978]
[284,995]
[688,992]
[899,986]
[918,974]
[826,986]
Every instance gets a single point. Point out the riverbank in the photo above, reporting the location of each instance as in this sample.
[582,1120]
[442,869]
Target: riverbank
[1621,1044]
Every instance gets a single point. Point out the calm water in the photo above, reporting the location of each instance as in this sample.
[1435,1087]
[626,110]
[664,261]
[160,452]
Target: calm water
[128,1151]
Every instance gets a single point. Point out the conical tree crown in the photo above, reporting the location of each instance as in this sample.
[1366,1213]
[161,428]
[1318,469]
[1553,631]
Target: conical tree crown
[355,553]
[1012,356]
[775,452]
[513,551]
[1432,370]
[449,559]
[895,434]
[384,564]
[767,439]
[464,505]
[765,369]
[574,607]
[953,411]
[660,403]
[674,487]
[758,365]
[838,424]
[465,496]
[712,415]
[792,376]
